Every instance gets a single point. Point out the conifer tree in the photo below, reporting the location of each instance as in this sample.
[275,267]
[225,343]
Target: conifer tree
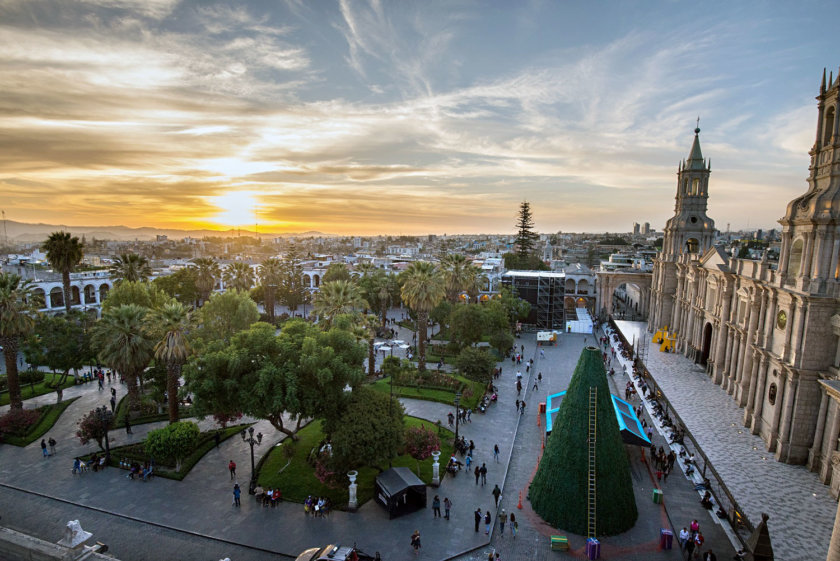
[558,492]
[526,238]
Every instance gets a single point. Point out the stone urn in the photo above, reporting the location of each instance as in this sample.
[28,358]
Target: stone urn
[436,469]
[353,503]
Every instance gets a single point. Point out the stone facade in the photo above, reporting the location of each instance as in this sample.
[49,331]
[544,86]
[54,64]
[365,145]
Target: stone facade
[766,333]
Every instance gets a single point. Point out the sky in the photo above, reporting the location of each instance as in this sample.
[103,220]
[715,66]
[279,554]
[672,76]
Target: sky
[376,117]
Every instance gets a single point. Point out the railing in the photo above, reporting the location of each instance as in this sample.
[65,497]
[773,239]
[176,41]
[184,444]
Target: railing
[722,495]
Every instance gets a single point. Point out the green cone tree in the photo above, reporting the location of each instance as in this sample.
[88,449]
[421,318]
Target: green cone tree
[558,492]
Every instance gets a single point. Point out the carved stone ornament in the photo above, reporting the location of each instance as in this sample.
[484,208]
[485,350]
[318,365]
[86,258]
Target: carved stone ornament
[835,458]
[74,536]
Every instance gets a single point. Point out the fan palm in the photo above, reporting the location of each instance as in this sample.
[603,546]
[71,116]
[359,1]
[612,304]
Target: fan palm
[338,297]
[422,289]
[239,276]
[270,272]
[124,344]
[453,268]
[64,253]
[16,321]
[173,320]
[206,276]
[131,267]
[366,269]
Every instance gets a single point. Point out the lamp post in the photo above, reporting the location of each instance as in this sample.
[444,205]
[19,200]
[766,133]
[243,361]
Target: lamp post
[457,412]
[105,418]
[251,441]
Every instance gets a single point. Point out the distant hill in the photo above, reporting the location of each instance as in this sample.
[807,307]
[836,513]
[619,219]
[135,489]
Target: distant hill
[23,232]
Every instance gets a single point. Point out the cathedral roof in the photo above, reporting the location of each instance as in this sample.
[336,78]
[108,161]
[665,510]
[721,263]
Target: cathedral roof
[695,158]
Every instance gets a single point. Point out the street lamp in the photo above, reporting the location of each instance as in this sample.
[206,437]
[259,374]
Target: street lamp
[105,419]
[457,412]
[251,441]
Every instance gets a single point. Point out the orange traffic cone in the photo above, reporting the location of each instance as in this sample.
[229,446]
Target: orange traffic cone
[519,506]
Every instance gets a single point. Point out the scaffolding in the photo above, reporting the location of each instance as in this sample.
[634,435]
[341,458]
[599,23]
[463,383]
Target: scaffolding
[546,293]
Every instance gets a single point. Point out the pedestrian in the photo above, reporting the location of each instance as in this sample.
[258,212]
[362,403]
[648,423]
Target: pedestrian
[436,507]
[659,475]
[477,514]
[514,525]
[518,387]
[522,407]
[472,447]
[693,528]
[683,537]
[502,520]
[469,415]
[44,451]
[447,505]
[469,461]
[539,377]
[698,543]
[217,438]
[127,425]
[709,556]
[52,446]
[496,492]
[415,542]
[477,475]
[496,452]
[517,405]
[483,472]
[536,387]
[232,469]
[113,392]
[99,380]
[113,403]
[487,521]
[236,494]
[689,549]
[542,353]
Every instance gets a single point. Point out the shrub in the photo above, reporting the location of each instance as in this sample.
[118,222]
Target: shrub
[91,427]
[17,422]
[173,442]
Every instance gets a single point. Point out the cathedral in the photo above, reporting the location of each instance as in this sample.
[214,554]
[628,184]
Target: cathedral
[766,331]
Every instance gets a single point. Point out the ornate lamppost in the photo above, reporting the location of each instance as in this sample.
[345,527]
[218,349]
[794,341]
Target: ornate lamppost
[457,412]
[251,441]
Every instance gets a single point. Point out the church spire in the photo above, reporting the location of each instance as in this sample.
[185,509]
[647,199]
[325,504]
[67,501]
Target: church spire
[695,158]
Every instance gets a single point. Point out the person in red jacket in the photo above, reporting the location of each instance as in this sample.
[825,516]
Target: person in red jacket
[232,469]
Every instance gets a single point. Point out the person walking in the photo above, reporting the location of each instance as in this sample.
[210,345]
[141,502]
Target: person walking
[496,452]
[113,403]
[502,520]
[539,377]
[237,492]
[496,492]
[683,538]
[542,353]
[232,469]
[415,542]
[483,472]
[488,520]
[478,517]
[689,548]
[514,525]
[469,461]
[447,505]
[477,473]
[127,426]
[472,447]
[436,507]
[52,443]
[45,453]
[709,556]
[522,408]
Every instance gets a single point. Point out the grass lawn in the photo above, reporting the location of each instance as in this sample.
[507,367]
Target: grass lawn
[298,480]
[434,394]
[42,387]
[122,410]
[49,415]
[206,442]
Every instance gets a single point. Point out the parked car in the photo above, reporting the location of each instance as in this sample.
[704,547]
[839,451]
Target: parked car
[335,553]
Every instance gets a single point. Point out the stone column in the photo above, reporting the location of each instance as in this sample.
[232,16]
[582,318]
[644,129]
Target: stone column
[815,454]
[746,368]
[834,545]
[787,417]
[830,444]
[760,390]
[777,412]
[721,348]
[754,355]
[729,383]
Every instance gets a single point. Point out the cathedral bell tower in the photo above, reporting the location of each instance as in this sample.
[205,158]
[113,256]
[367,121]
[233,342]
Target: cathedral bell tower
[690,231]
[810,252]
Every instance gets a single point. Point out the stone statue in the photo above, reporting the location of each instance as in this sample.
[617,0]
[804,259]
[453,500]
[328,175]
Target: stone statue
[74,536]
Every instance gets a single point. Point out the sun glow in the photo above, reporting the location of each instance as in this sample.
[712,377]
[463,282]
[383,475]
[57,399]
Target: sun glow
[238,208]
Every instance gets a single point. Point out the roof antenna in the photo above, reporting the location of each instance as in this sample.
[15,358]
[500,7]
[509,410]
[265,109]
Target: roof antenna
[697,130]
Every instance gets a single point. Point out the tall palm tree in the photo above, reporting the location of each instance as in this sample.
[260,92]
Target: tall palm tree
[270,272]
[206,276]
[131,267]
[365,269]
[475,281]
[16,321]
[454,268]
[64,253]
[338,297]
[422,289]
[239,276]
[173,320]
[125,345]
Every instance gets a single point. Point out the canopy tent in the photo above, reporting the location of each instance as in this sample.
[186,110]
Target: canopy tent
[400,491]
[546,337]
[628,424]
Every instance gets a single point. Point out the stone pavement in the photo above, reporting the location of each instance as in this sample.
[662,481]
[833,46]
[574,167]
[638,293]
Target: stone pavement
[800,507]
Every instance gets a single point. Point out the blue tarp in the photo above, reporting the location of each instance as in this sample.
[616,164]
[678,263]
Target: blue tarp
[629,425]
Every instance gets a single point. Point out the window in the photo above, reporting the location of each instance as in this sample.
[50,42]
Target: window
[692,245]
[828,127]
[795,259]
[771,394]
[695,186]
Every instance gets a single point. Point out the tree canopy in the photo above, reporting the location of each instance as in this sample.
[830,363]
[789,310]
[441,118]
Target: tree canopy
[225,314]
[526,238]
[143,294]
[370,431]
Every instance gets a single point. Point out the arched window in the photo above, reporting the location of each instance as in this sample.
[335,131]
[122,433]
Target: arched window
[695,186]
[828,127]
[692,245]
[795,260]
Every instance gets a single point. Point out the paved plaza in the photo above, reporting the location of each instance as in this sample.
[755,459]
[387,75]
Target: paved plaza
[195,516]
[801,508]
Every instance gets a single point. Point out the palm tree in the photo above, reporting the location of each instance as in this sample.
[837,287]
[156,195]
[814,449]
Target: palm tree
[338,297]
[16,321]
[454,267]
[131,267]
[475,281]
[206,276]
[64,253]
[174,321]
[269,272]
[365,269]
[124,344]
[422,289]
[239,276]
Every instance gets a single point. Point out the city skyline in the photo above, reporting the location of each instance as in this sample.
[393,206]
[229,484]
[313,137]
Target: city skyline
[384,118]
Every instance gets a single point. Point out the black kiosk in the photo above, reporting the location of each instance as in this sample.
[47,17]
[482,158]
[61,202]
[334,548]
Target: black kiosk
[400,491]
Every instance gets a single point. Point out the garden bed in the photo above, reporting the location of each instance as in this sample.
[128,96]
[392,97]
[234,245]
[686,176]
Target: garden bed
[28,391]
[148,412]
[469,399]
[297,479]
[49,414]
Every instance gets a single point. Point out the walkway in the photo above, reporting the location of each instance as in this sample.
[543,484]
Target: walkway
[800,507]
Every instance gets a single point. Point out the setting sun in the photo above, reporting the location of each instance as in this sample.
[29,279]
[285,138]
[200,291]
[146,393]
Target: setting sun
[238,208]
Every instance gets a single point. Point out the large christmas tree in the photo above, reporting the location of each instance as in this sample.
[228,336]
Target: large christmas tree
[559,490]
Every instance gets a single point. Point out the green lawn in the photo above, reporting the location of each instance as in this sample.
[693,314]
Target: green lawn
[298,480]
[122,409]
[434,394]
[44,424]
[42,387]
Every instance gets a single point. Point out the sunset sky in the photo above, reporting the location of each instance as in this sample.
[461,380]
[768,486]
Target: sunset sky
[403,117]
